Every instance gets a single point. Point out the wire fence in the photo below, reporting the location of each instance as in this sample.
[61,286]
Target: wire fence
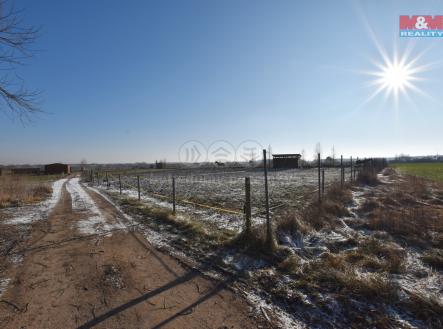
[211,191]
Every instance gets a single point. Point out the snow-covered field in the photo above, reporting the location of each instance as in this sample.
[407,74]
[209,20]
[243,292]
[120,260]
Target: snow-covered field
[223,189]
[227,188]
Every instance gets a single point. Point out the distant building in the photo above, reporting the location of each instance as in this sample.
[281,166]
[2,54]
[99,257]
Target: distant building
[57,168]
[286,161]
[26,171]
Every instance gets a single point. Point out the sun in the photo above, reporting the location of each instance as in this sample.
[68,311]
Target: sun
[396,76]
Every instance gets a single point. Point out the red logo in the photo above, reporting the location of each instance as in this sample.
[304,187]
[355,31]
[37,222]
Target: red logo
[421,22]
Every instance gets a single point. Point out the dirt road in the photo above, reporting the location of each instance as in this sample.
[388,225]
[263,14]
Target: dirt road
[74,275]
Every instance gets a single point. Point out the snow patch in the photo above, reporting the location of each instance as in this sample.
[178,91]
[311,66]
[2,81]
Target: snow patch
[29,214]
[4,285]
[284,319]
[94,222]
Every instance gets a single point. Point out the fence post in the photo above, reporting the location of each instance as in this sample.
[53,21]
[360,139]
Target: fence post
[248,225]
[269,236]
[323,181]
[138,187]
[107,181]
[342,171]
[92,177]
[352,169]
[319,177]
[120,183]
[173,195]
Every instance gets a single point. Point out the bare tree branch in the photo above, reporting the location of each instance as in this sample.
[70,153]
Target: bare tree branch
[15,42]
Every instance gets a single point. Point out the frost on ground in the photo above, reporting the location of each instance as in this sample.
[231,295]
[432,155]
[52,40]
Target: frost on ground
[214,218]
[225,188]
[3,285]
[17,225]
[371,258]
[366,264]
[94,221]
[28,214]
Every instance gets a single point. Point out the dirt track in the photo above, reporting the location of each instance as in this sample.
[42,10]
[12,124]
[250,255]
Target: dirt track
[73,280]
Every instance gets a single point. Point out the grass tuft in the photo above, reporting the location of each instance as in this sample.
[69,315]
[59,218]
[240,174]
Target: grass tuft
[18,190]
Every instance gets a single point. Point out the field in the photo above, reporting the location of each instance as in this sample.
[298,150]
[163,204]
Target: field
[431,170]
[368,255]
[16,190]
[367,249]
[218,195]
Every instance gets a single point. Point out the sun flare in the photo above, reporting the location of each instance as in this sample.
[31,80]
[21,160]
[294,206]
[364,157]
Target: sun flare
[395,77]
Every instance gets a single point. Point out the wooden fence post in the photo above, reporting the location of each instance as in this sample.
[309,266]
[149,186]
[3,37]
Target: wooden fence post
[248,225]
[107,181]
[138,187]
[173,195]
[319,177]
[269,236]
[120,183]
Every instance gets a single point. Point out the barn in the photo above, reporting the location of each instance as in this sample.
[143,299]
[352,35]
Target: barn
[57,168]
[285,161]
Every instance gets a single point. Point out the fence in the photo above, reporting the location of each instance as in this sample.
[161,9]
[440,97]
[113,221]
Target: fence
[226,196]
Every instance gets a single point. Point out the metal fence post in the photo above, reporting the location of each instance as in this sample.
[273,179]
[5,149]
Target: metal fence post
[319,177]
[173,195]
[323,181]
[248,225]
[352,169]
[120,183]
[138,187]
[342,171]
[269,236]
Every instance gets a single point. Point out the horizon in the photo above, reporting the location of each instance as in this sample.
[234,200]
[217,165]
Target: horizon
[138,88]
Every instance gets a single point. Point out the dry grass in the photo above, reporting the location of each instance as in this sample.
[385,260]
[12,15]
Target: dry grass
[293,223]
[18,190]
[434,258]
[333,205]
[367,176]
[334,274]
[426,308]
[190,228]
[412,224]
[405,214]
[381,256]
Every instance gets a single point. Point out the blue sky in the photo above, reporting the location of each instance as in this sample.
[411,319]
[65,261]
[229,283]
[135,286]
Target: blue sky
[126,81]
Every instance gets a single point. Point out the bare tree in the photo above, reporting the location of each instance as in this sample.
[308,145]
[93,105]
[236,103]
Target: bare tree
[15,42]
